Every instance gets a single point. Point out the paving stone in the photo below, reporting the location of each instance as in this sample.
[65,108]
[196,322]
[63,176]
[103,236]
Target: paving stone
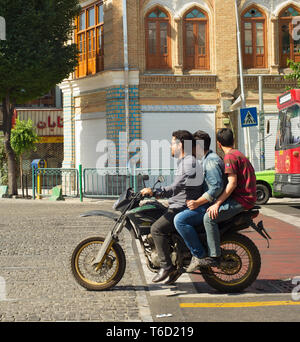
[37,239]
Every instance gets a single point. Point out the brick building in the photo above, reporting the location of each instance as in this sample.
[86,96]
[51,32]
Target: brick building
[183,72]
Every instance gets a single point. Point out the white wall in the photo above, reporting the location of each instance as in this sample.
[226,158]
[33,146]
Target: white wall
[160,125]
[89,130]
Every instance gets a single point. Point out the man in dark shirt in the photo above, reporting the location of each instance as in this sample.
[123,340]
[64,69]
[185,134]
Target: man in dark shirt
[187,186]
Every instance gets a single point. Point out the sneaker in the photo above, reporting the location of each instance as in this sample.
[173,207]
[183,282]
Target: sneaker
[194,264]
[209,262]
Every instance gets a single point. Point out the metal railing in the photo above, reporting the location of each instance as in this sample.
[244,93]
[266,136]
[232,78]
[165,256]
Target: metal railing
[94,183]
[111,182]
[44,180]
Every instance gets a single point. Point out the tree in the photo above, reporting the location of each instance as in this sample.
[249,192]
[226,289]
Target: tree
[3,164]
[34,57]
[23,139]
[295,74]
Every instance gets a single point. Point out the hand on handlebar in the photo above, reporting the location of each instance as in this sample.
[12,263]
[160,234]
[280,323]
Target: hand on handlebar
[146,192]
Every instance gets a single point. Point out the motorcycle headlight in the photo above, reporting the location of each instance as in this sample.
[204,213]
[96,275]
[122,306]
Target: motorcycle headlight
[115,204]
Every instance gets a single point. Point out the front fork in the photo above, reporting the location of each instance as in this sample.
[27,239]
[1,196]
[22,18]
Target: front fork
[111,237]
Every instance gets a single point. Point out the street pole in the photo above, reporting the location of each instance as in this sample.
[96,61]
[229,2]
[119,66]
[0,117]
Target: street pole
[246,130]
[80,182]
[261,125]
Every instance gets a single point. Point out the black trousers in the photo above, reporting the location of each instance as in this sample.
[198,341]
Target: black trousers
[160,231]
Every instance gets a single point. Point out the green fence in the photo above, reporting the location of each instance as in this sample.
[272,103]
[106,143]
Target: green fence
[44,180]
[94,183]
[111,182]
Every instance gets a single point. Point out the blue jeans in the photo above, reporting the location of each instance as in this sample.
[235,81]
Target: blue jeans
[186,220]
[227,210]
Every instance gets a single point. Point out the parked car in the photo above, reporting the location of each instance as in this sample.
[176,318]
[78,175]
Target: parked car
[264,186]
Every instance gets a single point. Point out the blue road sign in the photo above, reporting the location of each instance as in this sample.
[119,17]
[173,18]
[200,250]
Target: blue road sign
[249,117]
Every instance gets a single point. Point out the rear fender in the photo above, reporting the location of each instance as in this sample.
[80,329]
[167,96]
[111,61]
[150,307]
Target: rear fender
[104,213]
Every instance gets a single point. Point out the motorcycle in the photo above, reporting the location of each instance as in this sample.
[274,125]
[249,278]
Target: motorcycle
[99,263]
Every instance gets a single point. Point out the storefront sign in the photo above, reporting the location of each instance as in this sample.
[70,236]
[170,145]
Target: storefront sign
[47,122]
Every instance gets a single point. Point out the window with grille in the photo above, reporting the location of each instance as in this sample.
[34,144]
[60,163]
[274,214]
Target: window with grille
[158,41]
[195,40]
[254,39]
[289,45]
[89,39]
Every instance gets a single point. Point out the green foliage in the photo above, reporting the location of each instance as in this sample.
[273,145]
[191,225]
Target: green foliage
[23,137]
[35,57]
[295,74]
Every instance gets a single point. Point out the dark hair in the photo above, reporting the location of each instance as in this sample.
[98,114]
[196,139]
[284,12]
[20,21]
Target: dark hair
[183,136]
[201,135]
[225,137]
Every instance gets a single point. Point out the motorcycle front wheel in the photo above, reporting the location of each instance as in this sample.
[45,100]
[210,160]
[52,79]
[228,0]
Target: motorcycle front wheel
[239,268]
[87,274]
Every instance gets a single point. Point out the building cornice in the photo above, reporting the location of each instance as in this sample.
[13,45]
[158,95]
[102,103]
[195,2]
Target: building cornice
[99,82]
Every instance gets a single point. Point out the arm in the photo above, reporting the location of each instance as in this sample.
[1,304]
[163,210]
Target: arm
[214,181]
[232,184]
[188,174]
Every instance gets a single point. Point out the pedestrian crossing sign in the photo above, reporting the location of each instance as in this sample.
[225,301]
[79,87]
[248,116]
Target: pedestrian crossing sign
[249,117]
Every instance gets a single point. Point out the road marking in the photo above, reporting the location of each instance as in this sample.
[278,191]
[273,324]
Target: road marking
[183,286]
[238,305]
[293,220]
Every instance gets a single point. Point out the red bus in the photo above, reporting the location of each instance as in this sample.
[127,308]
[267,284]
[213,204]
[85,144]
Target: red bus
[287,148]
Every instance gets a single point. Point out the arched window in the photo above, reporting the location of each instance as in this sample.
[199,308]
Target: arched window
[195,40]
[89,38]
[158,42]
[254,38]
[289,45]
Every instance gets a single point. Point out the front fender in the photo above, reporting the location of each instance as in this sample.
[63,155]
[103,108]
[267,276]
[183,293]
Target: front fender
[104,213]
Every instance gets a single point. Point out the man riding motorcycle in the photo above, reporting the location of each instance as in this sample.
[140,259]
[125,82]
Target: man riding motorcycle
[213,185]
[187,185]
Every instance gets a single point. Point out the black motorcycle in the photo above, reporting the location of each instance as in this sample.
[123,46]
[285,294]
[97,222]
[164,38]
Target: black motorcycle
[99,263]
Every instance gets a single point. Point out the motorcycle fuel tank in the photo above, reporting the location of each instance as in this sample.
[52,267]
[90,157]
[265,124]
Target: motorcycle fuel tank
[144,216]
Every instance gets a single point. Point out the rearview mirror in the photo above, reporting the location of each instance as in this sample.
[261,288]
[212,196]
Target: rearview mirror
[161,179]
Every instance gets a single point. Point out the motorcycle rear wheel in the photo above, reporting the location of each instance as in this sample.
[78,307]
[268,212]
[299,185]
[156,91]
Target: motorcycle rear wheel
[239,268]
[85,273]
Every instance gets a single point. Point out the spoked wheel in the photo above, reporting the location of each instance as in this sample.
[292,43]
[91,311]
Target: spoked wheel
[239,268]
[88,275]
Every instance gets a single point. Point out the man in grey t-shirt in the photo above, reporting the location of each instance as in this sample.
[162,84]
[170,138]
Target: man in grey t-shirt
[187,186]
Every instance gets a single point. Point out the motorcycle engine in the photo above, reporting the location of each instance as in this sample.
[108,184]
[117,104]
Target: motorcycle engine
[154,255]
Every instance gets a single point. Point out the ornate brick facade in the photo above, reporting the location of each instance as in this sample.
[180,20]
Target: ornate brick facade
[175,86]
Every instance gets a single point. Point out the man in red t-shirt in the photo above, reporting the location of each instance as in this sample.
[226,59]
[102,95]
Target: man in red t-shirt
[239,194]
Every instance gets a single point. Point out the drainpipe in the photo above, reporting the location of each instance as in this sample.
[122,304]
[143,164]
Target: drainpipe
[126,70]
[246,130]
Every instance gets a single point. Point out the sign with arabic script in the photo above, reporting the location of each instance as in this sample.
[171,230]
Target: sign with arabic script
[48,122]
